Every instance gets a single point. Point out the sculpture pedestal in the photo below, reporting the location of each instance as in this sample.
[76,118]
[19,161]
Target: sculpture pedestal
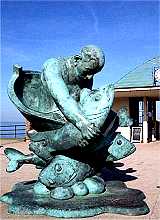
[117,198]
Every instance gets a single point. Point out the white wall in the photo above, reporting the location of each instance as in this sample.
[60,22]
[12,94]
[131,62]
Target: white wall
[158,110]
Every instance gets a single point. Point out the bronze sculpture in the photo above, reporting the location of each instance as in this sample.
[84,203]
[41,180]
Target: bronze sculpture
[73,135]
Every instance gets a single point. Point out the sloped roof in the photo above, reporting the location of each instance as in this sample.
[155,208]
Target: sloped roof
[141,76]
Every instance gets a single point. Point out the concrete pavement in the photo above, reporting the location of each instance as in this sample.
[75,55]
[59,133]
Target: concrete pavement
[140,170]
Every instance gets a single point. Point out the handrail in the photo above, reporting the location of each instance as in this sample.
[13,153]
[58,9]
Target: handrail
[16,131]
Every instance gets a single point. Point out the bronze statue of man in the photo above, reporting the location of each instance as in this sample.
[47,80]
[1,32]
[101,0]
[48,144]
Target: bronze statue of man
[66,77]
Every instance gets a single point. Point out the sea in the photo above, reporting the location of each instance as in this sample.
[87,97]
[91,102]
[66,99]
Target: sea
[12,130]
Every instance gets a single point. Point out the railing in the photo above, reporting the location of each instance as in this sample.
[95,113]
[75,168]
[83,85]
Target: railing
[13,131]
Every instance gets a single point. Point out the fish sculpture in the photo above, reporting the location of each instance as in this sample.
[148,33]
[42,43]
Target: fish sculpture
[57,146]
[119,148]
[63,171]
[17,159]
[66,177]
[63,177]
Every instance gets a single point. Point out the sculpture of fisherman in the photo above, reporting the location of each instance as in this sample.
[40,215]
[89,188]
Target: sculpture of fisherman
[66,77]
[73,135]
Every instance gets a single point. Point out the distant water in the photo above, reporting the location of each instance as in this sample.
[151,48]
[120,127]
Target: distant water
[12,129]
[11,123]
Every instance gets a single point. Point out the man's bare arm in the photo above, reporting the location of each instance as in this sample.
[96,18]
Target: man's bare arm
[67,105]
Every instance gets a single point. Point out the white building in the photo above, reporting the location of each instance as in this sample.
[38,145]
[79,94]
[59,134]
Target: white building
[139,91]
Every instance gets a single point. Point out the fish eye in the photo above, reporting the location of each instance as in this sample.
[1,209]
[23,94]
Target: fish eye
[97,97]
[119,142]
[44,143]
[58,168]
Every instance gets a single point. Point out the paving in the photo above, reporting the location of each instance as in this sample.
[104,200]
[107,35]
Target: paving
[140,170]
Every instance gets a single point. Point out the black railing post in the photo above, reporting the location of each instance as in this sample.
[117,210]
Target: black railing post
[15,131]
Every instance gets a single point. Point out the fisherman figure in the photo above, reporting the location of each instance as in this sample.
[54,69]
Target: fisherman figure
[73,136]
[65,78]
[80,136]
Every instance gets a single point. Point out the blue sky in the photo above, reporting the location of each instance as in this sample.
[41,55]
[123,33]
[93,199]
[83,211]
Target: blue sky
[33,31]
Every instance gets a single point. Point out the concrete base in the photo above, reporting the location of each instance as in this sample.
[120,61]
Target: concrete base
[117,198]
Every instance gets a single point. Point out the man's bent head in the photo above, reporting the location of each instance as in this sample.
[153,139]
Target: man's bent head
[92,60]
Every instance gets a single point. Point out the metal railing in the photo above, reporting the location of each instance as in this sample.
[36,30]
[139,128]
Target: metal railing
[13,131]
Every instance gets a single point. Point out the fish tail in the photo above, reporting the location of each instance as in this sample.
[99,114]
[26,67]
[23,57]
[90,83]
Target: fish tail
[16,159]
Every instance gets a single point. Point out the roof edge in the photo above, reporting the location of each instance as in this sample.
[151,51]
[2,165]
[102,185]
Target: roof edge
[139,65]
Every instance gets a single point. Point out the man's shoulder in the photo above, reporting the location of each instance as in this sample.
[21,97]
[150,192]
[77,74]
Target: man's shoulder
[50,62]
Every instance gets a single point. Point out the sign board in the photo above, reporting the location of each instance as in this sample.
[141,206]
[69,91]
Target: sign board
[136,134]
[157,76]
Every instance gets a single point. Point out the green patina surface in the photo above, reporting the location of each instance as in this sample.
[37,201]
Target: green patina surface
[73,135]
[124,119]
[116,198]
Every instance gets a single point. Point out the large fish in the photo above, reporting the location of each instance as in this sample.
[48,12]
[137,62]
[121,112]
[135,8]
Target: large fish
[120,148]
[64,171]
[95,104]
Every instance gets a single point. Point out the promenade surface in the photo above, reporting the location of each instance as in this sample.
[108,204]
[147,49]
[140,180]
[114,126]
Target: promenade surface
[140,170]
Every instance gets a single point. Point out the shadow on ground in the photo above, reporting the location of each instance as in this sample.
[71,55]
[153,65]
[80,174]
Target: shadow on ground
[111,172]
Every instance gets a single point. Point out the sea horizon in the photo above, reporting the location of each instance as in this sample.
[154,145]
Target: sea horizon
[12,122]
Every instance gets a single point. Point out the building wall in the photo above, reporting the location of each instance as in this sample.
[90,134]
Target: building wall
[120,102]
[117,104]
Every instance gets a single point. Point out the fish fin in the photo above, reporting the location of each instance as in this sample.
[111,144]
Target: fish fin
[13,165]
[6,198]
[15,159]
[111,158]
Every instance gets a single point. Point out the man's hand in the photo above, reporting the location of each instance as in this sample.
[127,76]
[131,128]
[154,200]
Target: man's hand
[82,143]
